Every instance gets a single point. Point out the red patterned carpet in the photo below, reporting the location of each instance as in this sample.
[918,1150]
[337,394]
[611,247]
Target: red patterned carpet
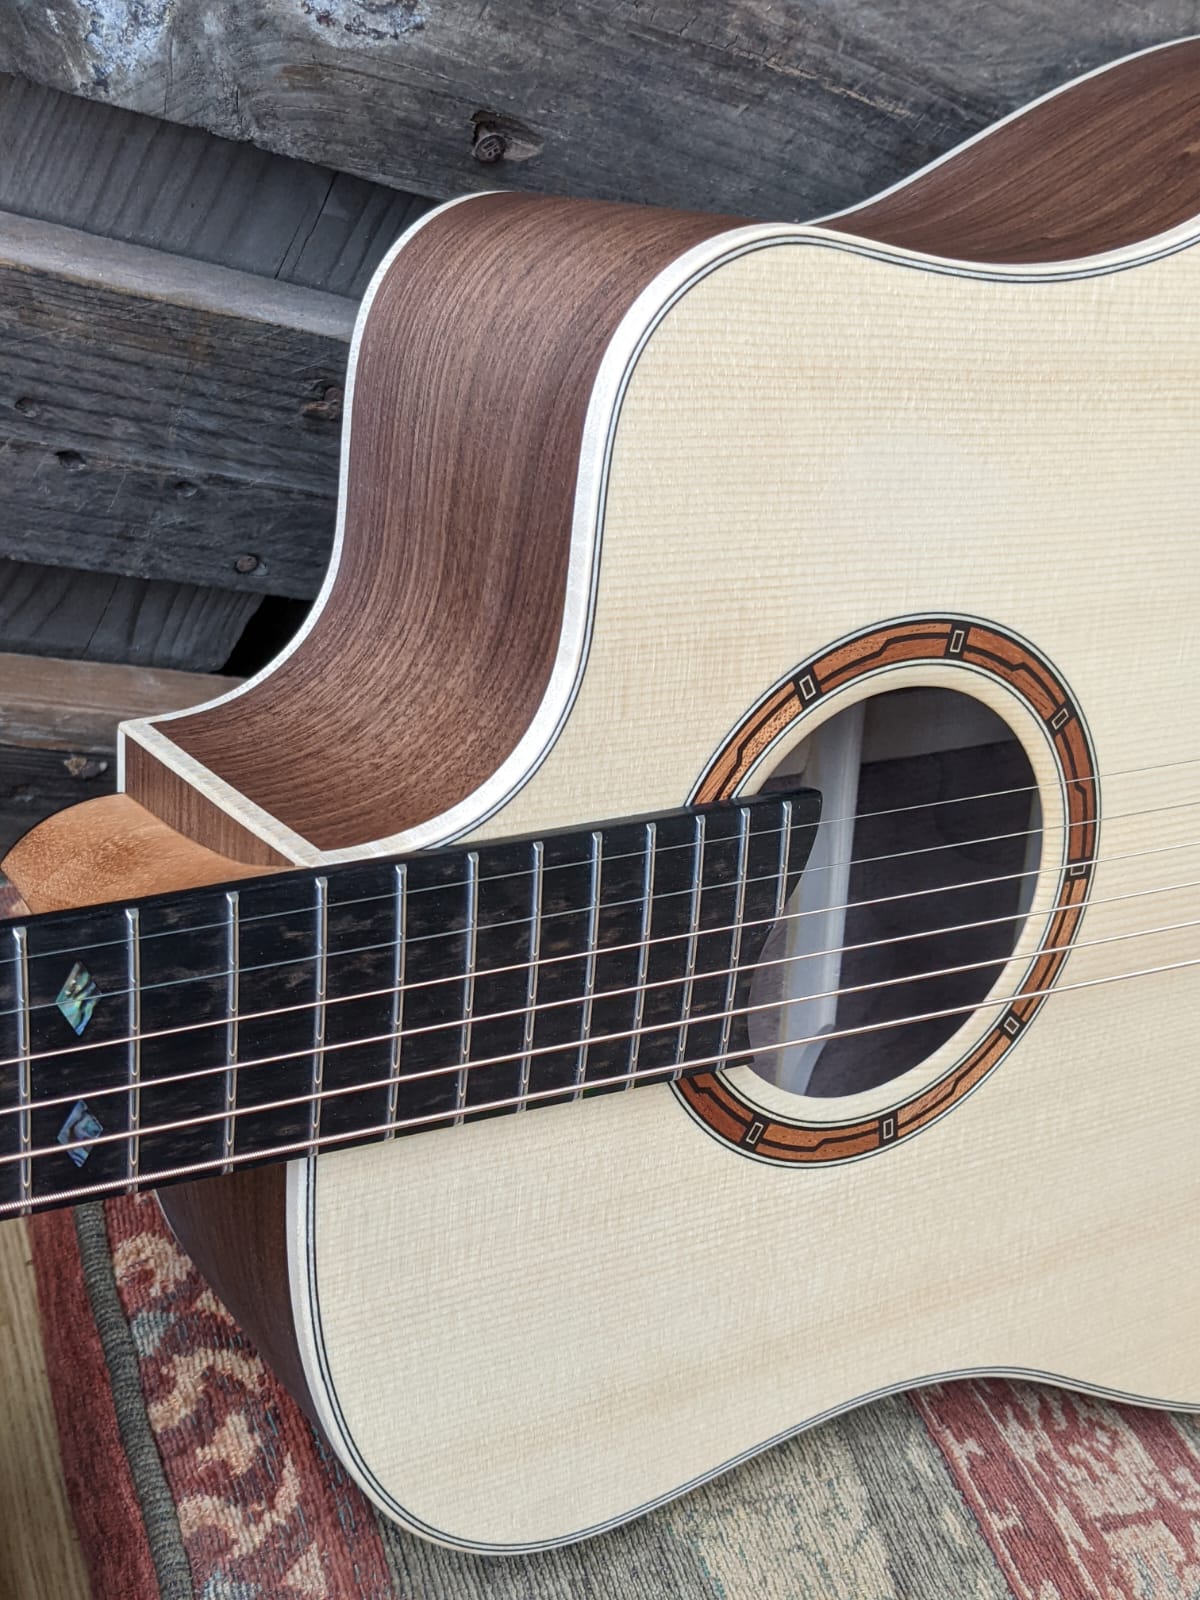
[192,1476]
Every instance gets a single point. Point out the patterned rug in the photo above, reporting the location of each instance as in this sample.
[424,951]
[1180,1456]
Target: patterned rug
[193,1477]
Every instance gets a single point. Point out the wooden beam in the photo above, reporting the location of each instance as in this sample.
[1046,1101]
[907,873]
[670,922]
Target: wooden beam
[783,110]
[58,722]
[164,418]
[51,611]
[135,178]
[76,705]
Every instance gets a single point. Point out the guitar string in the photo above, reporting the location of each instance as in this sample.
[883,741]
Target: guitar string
[581,863]
[455,1024]
[544,918]
[576,1045]
[457,978]
[200,1073]
[764,797]
[1040,831]
[671,1073]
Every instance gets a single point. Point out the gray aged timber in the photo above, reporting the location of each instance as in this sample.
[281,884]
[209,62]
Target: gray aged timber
[164,419]
[182,190]
[783,109]
[52,611]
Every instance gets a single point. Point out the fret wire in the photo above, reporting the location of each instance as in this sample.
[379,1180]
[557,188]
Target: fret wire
[670,938]
[233,942]
[689,971]
[639,997]
[400,930]
[904,938]
[621,1035]
[589,972]
[322,978]
[134,972]
[24,1066]
[852,905]
[470,942]
[735,944]
[531,982]
[785,856]
[375,1131]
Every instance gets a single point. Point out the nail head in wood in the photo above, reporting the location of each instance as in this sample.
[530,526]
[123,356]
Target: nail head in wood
[490,143]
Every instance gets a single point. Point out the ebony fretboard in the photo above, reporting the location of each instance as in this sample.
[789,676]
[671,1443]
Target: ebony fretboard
[379,998]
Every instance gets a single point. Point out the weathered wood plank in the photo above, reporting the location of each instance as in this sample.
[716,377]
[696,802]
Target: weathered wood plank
[163,418]
[135,178]
[781,109]
[76,705]
[40,1558]
[58,722]
[51,611]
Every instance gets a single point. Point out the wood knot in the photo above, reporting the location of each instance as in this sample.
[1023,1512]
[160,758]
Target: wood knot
[327,406]
[85,767]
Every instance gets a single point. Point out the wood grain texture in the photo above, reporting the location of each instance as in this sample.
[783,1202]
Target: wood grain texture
[1001,1260]
[1033,1247]
[448,592]
[110,848]
[38,783]
[232,1227]
[768,110]
[196,428]
[234,1230]
[93,166]
[459,498]
[1124,150]
[54,611]
[40,1558]
[76,705]
[336,929]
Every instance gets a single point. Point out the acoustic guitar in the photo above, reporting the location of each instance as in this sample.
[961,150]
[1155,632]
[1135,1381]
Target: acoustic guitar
[757,669]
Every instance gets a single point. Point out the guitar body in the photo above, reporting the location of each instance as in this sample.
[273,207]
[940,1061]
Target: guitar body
[694,489]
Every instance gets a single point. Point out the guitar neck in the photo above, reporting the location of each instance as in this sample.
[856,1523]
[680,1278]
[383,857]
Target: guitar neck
[191,1034]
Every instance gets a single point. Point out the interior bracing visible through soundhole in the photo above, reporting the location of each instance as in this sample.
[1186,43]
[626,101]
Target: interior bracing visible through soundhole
[921,887]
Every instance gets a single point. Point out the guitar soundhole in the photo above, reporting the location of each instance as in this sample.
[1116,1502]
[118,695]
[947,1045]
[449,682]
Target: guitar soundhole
[912,899]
